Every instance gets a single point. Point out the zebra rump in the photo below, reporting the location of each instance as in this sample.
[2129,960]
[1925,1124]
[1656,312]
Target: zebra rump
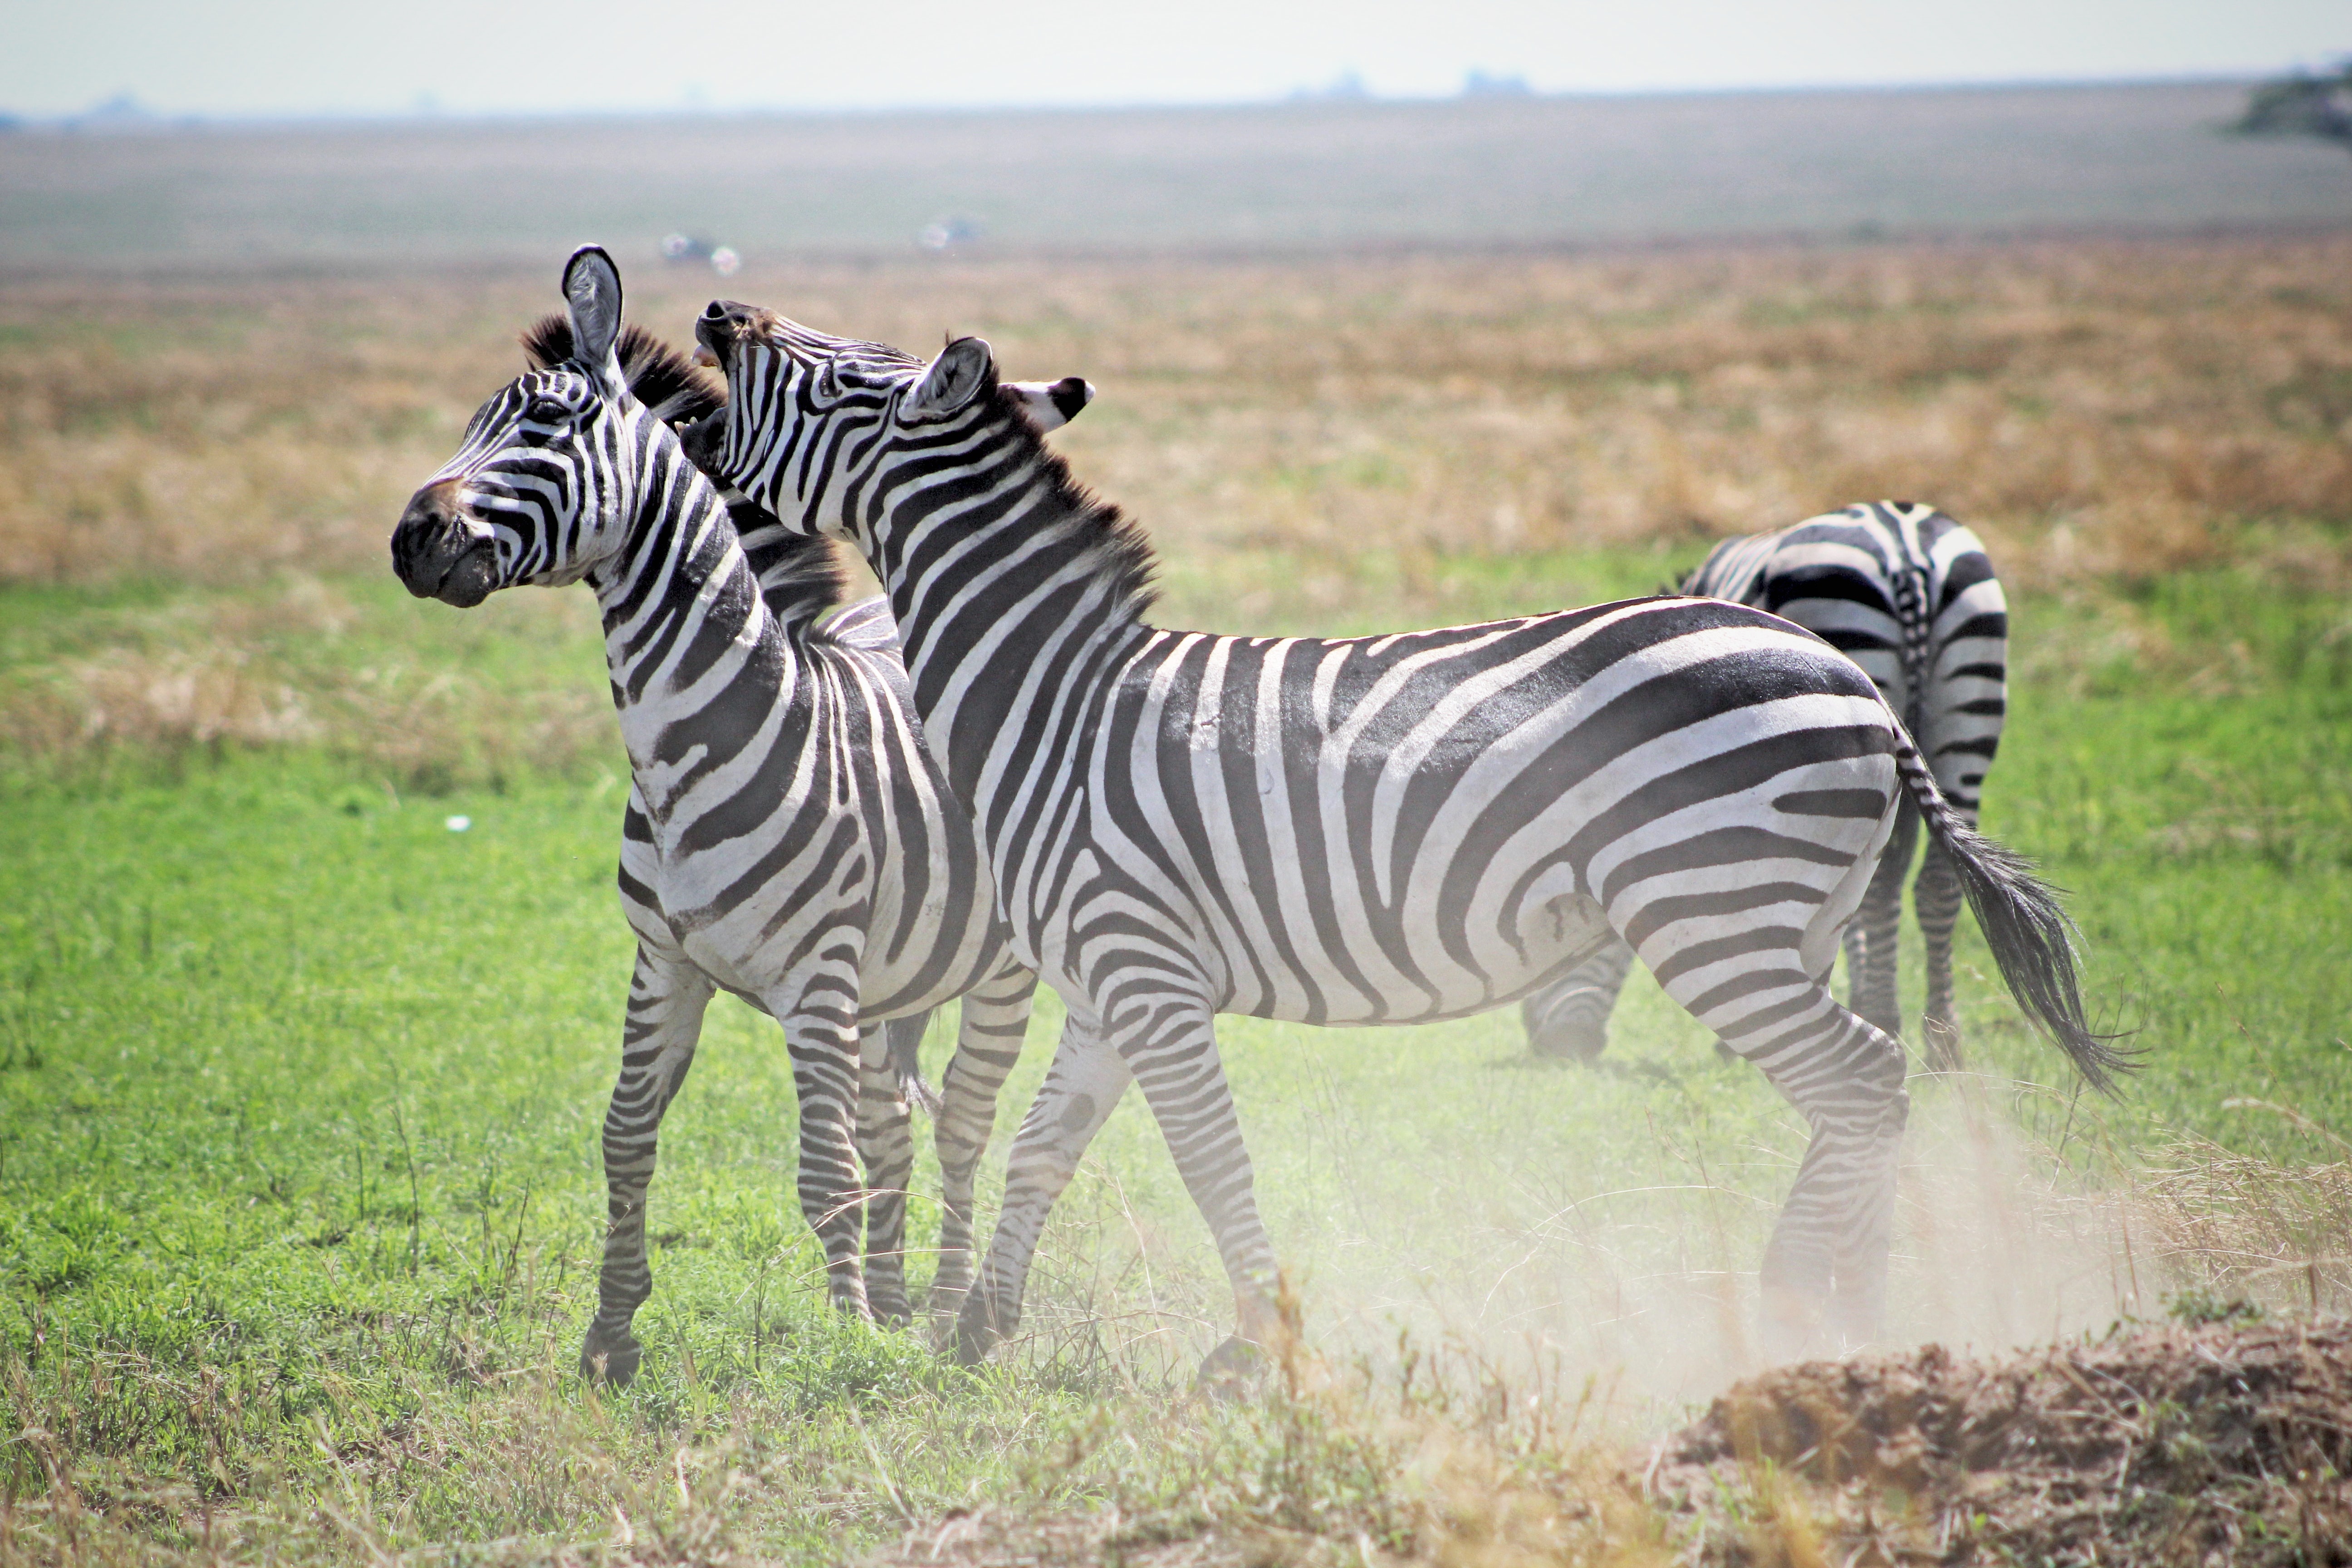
[1910,595]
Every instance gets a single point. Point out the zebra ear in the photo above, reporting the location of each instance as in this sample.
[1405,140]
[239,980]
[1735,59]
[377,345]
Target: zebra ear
[592,297]
[964,369]
[1053,404]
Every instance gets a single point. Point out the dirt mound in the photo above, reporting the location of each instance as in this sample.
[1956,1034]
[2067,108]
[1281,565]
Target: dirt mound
[2226,1443]
[2221,1444]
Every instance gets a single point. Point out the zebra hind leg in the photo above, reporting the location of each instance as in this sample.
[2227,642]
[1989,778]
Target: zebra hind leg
[827,1074]
[1936,897]
[988,1043]
[1871,983]
[1080,1092]
[1825,1265]
[667,1000]
[1568,1019]
[887,1149]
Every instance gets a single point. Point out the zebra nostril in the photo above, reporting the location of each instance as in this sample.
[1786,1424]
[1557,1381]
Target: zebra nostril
[715,312]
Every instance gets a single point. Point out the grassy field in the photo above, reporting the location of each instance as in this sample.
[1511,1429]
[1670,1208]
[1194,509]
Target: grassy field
[299,1085]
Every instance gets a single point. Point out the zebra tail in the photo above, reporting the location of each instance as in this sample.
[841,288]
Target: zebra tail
[2026,928]
[903,1040]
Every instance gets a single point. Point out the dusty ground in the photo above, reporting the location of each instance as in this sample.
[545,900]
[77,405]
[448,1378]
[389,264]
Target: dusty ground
[2219,1443]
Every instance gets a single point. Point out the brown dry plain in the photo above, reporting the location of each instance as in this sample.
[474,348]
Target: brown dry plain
[196,479]
[1326,445]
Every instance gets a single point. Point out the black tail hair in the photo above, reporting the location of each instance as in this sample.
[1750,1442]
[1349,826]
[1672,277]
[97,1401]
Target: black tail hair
[2023,922]
[903,1039]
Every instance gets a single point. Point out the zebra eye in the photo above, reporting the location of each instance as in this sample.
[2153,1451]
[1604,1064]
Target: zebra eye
[547,411]
[829,381]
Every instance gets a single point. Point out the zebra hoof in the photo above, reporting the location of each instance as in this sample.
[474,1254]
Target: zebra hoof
[1233,1371]
[610,1359]
[1787,1321]
[1557,1040]
[976,1333]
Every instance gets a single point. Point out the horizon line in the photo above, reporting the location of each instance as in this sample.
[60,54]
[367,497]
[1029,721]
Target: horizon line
[124,113]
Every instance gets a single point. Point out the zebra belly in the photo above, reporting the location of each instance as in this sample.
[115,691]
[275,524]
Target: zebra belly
[1317,835]
[825,911]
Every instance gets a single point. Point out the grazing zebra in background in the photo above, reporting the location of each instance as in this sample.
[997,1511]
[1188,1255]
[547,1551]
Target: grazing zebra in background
[1910,595]
[1374,830]
[787,838]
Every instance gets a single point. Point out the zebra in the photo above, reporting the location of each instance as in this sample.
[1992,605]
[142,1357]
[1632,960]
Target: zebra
[788,837]
[1910,595]
[800,579]
[1375,830]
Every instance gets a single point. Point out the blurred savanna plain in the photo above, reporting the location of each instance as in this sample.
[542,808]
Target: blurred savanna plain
[298,1081]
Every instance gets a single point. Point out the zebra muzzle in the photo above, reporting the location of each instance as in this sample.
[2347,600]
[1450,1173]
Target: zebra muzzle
[439,552]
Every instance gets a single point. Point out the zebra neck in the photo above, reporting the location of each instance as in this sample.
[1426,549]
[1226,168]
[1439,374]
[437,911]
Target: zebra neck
[1007,617]
[683,615]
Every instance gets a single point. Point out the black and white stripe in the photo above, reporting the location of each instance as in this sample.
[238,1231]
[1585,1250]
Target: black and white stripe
[1910,595]
[1375,830]
[788,837]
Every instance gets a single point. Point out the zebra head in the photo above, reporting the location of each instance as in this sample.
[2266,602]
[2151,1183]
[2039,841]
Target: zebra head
[812,419]
[545,483]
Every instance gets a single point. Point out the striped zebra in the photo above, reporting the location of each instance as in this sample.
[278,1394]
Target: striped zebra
[1375,830]
[1910,595]
[788,837]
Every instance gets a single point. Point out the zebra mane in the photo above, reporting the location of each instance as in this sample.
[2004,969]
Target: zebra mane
[663,379]
[801,576]
[1113,543]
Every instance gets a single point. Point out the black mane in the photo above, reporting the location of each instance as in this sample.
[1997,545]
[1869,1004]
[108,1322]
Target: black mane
[663,379]
[1114,542]
[801,576]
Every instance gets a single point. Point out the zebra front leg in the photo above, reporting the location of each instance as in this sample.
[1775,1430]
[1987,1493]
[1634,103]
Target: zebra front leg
[1081,1087]
[1568,1019]
[988,1043]
[885,1147]
[1870,984]
[667,999]
[827,1069]
[1170,1043]
[1936,897]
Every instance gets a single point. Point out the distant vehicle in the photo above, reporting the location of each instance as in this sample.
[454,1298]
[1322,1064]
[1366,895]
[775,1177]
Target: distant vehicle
[724,259]
[948,233]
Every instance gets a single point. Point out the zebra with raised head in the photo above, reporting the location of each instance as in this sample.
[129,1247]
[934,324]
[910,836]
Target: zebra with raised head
[1910,595]
[788,837]
[1372,830]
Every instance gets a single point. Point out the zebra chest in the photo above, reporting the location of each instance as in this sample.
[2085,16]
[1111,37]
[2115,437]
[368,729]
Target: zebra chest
[748,909]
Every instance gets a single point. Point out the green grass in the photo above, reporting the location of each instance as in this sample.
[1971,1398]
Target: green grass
[299,1199]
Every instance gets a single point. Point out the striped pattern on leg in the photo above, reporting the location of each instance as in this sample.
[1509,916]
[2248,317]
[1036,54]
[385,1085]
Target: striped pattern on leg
[666,1002]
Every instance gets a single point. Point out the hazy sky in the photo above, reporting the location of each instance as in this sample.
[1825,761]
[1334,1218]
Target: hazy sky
[299,56]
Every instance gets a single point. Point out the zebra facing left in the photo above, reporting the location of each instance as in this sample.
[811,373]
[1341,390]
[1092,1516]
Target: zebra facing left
[788,837]
[1387,829]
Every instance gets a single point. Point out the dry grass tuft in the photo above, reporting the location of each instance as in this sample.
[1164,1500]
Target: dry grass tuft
[412,695]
